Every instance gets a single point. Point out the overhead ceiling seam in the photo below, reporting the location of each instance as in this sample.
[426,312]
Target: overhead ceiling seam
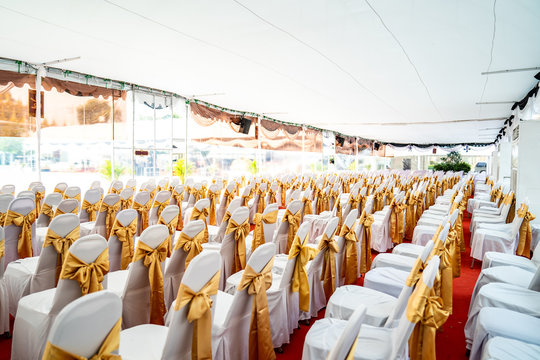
[408,58]
[490,53]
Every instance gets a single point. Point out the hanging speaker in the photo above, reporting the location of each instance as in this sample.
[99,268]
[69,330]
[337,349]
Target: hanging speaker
[245,124]
[376,146]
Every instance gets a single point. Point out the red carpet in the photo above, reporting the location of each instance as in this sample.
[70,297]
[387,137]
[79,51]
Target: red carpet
[450,340]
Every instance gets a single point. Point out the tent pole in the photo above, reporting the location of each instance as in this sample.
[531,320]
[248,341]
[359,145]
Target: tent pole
[186,143]
[40,72]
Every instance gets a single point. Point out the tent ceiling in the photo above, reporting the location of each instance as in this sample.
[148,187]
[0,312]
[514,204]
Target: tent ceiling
[332,64]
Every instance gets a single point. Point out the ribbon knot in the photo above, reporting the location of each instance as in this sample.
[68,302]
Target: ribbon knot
[24,245]
[294,223]
[89,276]
[125,236]
[350,260]
[258,231]
[300,283]
[192,246]
[328,274]
[240,233]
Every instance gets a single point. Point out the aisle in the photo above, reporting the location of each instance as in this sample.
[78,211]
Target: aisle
[451,339]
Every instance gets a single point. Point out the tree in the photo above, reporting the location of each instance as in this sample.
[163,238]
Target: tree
[452,162]
[252,167]
[94,111]
[105,170]
[179,169]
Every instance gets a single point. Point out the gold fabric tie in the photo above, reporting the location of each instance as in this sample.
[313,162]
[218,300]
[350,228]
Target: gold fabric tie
[76,197]
[91,209]
[410,217]
[160,206]
[339,212]
[328,274]
[396,219]
[143,209]
[125,235]
[258,231]
[197,214]
[105,352]
[110,215]
[212,196]
[61,244]
[171,225]
[61,212]
[199,313]
[57,190]
[228,197]
[126,203]
[524,240]
[416,273]
[39,197]
[240,233]
[308,206]
[271,197]
[179,198]
[152,259]
[89,276]
[365,254]
[45,209]
[294,224]
[300,283]
[191,246]
[260,336]
[261,205]
[24,244]
[2,248]
[350,260]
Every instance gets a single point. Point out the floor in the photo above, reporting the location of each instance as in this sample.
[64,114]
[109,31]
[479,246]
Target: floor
[450,339]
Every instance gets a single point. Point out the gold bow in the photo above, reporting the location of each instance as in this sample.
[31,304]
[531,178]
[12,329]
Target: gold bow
[300,283]
[125,236]
[57,190]
[191,246]
[61,244]
[179,198]
[126,203]
[212,196]
[24,245]
[365,254]
[294,224]
[228,197]
[61,212]
[197,214]
[396,221]
[328,275]
[105,352]
[339,213]
[160,206]
[46,209]
[258,231]
[524,242]
[171,225]
[39,197]
[350,260]
[272,196]
[308,206]
[143,209]
[260,336]
[110,215]
[199,312]
[76,197]
[245,198]
[410,217]
[90,208]
[2,248]
[261,205]
[322,201]
[240,233]
[416,273]
[152,259]
[89,276]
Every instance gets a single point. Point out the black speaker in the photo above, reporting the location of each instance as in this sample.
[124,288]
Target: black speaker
[245,124]
[376,146]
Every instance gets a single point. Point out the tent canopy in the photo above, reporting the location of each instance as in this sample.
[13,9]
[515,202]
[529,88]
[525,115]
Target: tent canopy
[365,68]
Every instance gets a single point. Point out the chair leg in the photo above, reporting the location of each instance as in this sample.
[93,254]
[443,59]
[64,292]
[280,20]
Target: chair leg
[472,263]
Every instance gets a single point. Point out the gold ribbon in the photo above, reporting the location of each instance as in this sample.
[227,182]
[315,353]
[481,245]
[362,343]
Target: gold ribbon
[308,206]
[425,309]
[272,196]
[191,246]
[350,260]
[57,190]
[300,282]
[212,196]
[179,198]
[112,190]
[126,203]
[261,205]
[110,215]
[105,352]
[152,259]
[160,206]
[45,209]
[410,217]
[322,202]
[396,221]
[2,248]
[415,273]
[200,315]
[365,255]
[260,335]
[76,197]
[171,225]
[524,242]
[258,231]
[328,275]
[294,224]
[197,214]
[125,235]
[419,206]
[91,209]
[24,244]
[240,233]
[339,212]
[143,209]
[61,244]
[512,210]
[228,197]
[245,198]
[61,212]
[89,276]
[39,197]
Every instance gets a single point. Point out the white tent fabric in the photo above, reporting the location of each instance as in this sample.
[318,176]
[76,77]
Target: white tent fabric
[367,69]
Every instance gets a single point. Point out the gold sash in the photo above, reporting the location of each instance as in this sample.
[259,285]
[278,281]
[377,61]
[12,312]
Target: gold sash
[322,202]
[300,283]
[512,210]
[143,209]
[365,254]
[24,245]
[125,236]
[110,215]
[212,196]
[197,214]
[308,206]
[350,260]
[410,217]
[272,197]
[76,197]
[61,212]
[2,248]
[416,273]
[57,190]
[126,203]
[425,309]
[524,242]
[294,224]
[339,212]
[260,336]
[261,205]
[171,225]
[105,352]
[419,206]
[191,246]
[227,197]
[258,232]
[61,244]
[396,221]
[240,233]
[328,275]
[45,209]
[160,206]
[152,259]
[179,198]
[200,315]
[89,276]
[244,200]
[39,197]
[112,190]
[284,188]
[90,208]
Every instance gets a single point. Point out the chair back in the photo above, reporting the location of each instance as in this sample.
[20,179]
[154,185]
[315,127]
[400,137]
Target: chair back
[72,192]
[163,183]
[347,338]
[535,281]
[131,183]
[202,269]
[227,249]
[95,184]
[116,186]
[5,200]
[142,197]
[160,197]
[22,206]
[67,206]
[93,196]
[52,199]
[87,249]
[28,194]
[61,186]
[270,229]
[179,189]
[2,238]
[83,324]
[35,183]
[124,217]
[234,204]
[175,181]
[44,277]
[286,277]
[125,194]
